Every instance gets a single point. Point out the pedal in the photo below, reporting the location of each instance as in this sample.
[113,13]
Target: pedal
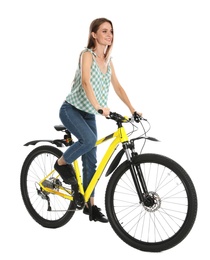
[78,197]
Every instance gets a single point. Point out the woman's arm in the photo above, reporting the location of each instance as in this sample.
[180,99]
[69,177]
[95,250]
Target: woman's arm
[86,62]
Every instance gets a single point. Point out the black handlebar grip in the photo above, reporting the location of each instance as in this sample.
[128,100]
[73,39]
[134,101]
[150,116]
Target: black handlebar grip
[100,111]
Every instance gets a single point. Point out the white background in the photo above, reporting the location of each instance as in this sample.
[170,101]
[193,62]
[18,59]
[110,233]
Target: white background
[162,58]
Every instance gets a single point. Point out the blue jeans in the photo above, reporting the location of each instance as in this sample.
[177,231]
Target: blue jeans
[83,126]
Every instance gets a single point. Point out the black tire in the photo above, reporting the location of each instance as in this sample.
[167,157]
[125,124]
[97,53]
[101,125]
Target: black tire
[169,221]
[36,166]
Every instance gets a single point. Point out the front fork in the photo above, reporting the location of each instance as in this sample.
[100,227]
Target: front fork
[136,173]
[139,181]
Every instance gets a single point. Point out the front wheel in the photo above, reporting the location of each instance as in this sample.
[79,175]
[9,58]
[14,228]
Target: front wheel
[49,210]
[165,218]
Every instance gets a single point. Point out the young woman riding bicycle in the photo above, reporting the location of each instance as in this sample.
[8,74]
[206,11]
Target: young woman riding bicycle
[88,97]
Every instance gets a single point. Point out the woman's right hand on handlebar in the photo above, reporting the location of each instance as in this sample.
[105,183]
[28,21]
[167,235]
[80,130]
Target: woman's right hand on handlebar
[105,111]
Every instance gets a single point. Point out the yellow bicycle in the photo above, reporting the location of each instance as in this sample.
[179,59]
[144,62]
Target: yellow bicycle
[150,200]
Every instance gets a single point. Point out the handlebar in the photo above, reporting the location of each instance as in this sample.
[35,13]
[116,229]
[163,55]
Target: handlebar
[123,119]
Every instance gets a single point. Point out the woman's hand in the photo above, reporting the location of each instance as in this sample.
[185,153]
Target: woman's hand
[137,116]
[104,111]
[140,114]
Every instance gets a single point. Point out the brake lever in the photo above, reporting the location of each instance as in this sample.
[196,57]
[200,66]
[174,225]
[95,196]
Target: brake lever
[137,118]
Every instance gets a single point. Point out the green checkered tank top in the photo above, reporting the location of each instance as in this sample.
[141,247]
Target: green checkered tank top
[100,83]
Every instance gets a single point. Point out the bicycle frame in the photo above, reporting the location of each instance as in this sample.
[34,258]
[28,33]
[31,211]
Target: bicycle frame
[119,136]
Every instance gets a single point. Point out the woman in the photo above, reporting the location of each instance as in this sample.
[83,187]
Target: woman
[89,96]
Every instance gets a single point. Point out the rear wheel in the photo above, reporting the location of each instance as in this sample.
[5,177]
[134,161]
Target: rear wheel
[168,212]
[49,210]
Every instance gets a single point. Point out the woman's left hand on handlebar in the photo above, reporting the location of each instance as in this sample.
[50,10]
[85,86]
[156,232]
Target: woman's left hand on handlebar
[137,116]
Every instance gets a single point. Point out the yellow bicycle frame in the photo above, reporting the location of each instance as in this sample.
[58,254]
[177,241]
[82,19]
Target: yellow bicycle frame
[120,136]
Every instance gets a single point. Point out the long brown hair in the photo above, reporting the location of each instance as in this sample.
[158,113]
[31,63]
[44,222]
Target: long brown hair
[94,26]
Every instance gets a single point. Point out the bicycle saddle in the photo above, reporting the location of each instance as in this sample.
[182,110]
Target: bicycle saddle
[60,127]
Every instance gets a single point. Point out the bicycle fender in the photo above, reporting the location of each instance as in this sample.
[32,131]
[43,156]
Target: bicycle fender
[115,162]
[147,138]
[58,143]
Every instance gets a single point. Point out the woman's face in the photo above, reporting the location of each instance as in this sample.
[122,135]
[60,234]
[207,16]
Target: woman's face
[104,35]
